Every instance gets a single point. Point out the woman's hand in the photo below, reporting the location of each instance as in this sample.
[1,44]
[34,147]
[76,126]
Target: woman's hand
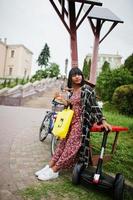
[59,97]
[106,125]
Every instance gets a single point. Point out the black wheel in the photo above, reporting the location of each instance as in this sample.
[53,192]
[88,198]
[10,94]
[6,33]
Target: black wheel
[54,142]
[44,129]
[76,173]
[119,187]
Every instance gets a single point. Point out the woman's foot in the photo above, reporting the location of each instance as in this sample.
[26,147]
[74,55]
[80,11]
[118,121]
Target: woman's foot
[47,175]
[46,168]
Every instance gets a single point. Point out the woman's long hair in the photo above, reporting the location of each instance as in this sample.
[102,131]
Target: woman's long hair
[73,72]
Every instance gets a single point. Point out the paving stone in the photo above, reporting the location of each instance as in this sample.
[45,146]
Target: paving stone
[21,152]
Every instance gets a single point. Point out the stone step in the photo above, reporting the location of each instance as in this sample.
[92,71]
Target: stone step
[43,101]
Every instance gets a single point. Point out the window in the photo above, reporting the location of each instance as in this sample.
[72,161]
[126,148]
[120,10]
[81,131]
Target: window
[12,53]
[10,71]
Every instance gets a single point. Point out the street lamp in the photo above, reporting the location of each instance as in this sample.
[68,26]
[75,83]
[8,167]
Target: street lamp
[66,66]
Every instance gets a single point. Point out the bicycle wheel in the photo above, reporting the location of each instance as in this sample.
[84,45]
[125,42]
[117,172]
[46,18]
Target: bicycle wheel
[54,142]
[44,129]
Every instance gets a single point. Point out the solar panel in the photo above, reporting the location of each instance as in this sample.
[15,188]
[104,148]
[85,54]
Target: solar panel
[102,13]
[95,2]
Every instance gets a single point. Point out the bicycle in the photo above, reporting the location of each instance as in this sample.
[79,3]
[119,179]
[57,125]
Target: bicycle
[48,123]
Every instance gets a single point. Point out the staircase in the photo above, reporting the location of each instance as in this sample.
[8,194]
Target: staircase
[44,101]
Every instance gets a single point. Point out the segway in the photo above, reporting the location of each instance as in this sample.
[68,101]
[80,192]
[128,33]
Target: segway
[95,176]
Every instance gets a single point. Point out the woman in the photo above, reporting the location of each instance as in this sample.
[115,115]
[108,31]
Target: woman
[86,113]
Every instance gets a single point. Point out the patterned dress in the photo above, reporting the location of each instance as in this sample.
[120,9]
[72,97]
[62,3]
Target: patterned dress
[66,152]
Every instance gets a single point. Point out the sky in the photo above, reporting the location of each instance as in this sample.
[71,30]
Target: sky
[35,22]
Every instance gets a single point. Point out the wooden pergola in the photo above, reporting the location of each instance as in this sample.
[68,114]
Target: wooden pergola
[97,18]
[72,19]
[72,13]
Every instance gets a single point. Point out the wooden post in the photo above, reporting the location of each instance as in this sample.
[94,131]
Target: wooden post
[93,69]
[73,34]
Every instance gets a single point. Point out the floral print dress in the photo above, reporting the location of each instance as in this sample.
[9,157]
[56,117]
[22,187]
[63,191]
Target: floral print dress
[66,152]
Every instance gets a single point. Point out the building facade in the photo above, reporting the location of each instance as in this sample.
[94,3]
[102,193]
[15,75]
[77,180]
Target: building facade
[113,59]
[15,61]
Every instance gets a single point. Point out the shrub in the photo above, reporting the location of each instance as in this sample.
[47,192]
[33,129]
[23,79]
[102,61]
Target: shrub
[9,83]
[129,63]
[122,98]
[5,83]
[108,81]
[16,81]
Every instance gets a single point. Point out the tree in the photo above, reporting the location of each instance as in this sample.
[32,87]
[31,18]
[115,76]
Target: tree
[51,71]
[86,68]
[44,56]
[40,74]
[106,66]
[129,63]
[54,70]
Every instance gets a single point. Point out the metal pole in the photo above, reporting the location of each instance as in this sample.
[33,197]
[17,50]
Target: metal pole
[66,66]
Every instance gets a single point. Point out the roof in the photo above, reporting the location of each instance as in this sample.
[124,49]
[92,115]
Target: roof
[103,13]
[106,55]
[95,2]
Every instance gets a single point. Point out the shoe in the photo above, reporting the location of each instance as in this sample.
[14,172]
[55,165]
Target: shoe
[42,170]
[47,175]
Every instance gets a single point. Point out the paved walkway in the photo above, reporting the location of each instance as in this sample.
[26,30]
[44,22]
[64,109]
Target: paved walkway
[21,152]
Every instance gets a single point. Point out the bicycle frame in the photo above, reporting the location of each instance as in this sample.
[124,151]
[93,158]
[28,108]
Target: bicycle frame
[52,120]
[47,125]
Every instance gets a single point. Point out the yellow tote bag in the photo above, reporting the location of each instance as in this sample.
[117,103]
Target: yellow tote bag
[62,123]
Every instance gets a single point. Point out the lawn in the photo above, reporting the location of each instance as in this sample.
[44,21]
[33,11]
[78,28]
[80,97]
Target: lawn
[122,161]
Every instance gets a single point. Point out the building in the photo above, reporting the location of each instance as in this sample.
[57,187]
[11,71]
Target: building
[113,59]
[15,61]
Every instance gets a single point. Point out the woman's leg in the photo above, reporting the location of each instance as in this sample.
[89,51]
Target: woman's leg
[69,154]
[51,163]
[58,152]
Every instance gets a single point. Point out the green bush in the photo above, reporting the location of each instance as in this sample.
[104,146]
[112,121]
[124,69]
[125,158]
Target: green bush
[129,63]
[122,98]
[108,81]
[5,83]
[9,83]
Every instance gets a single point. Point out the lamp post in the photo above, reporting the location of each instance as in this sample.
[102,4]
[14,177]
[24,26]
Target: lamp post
[66,66]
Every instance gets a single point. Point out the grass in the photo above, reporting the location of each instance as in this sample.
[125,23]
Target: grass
[62,189]
[122,162]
